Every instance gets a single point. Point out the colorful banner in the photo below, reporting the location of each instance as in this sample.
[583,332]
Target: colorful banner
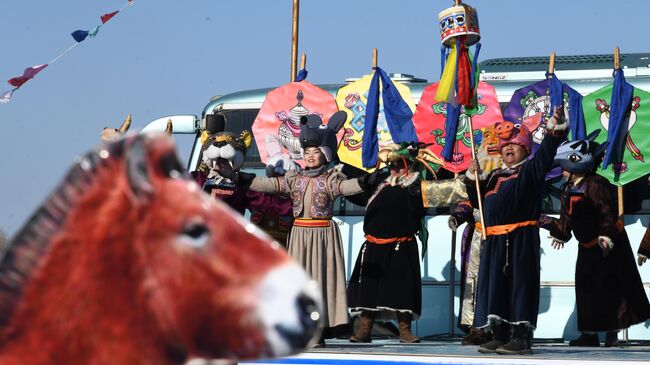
[636,148]
[534,99]
[430,116]
[280,115]
[352,99]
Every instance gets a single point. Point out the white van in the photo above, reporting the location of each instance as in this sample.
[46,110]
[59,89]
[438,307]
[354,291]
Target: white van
[441,269]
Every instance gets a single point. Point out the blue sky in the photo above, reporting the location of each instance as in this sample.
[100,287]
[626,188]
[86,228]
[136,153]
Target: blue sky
[169,57]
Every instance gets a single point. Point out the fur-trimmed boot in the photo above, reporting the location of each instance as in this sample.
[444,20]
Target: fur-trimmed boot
[366,320]
[520,342]
[404,323]
[500,335]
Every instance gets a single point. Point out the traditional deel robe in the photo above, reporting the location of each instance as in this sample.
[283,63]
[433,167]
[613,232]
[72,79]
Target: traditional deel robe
[315,241]
[609,290]
[508,279]
[386,276]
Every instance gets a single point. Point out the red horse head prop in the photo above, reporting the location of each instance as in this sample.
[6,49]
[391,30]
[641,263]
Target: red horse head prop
[127,262]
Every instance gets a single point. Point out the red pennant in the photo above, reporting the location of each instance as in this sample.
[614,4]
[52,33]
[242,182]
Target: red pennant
[464,94]
[29,73]
[107,17]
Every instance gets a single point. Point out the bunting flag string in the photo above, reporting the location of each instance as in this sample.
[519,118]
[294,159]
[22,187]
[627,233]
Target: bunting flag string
[78,36]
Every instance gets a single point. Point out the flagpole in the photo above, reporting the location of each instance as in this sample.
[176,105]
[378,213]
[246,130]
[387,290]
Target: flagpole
[619,188]
[551,65]
[303,61]
[375,54]
[294,38]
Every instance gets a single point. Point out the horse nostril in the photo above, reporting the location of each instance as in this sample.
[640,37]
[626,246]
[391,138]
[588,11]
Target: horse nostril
[308,313]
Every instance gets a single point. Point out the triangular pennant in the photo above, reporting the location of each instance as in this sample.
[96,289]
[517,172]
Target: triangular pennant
[79,35]
[6,97]
[29,73]
[107,17]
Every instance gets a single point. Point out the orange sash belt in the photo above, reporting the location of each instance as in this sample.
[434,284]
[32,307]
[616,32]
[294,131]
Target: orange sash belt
[505,228]
[620,226]
[306,222]
[384,241]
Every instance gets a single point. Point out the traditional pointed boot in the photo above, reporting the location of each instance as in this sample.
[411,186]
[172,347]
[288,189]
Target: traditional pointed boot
[363,334]
[500,335]
[476,336]
[611,339]
[520,342]
[404,323]
[586,340]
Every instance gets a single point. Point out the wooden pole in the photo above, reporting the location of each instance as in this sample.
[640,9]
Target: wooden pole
[375,54]
[476,180]
[621,207]
[294,38]
[551,65]
[303,61]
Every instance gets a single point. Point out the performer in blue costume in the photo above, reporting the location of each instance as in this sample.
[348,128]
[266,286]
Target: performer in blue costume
[508,281]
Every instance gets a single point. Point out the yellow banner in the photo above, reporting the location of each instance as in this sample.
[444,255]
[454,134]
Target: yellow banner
[352,99]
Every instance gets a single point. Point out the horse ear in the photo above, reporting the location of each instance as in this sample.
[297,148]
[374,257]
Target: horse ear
[600,150]
[126,124]
[169,130]
[337,120]
[137,171]
[592,136]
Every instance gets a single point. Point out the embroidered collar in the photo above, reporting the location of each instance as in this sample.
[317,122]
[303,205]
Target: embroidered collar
[513,167]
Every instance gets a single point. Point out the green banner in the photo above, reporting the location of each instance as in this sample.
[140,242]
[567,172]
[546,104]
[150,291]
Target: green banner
[636,145]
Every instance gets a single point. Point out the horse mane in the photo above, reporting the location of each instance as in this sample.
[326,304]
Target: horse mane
[20,258]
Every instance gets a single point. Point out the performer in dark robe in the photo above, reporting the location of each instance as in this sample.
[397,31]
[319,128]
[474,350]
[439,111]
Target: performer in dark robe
[508,281]
[385,282]
[609,290]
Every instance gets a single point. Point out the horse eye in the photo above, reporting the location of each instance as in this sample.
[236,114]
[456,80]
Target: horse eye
[574,158]
[196,235]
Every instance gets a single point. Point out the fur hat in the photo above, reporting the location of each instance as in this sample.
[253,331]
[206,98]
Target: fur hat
[510,133]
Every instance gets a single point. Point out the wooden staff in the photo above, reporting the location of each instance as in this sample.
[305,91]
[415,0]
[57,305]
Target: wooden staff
[551,65]
[294,38]
[374,58]
[476,180]
[303,61]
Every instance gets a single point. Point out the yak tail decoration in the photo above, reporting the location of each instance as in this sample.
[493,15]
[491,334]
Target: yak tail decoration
[169,130]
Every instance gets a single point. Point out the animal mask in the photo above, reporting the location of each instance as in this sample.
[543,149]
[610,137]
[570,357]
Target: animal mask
[510,133]
[313,133]
[581,156]
[224,152]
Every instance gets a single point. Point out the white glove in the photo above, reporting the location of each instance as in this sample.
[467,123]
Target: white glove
[556,243]
[605,244]
[641,259]
[453,225]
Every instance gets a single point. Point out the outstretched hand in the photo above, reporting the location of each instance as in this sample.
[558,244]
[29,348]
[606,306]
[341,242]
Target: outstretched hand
[558,123]
[641,259]
[557,244]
